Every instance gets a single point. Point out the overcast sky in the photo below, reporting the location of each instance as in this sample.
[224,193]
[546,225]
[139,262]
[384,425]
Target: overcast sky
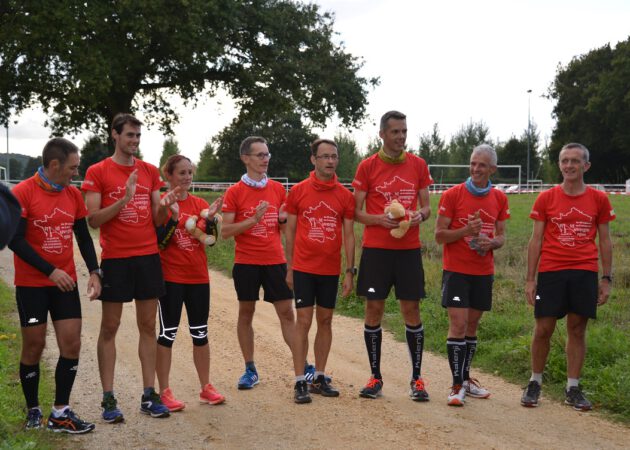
[448,62]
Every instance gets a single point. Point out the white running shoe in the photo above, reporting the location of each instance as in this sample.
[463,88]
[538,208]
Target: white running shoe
[457,396]
[474,389]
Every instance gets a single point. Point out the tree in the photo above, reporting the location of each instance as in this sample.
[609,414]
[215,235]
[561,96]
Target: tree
[83,62]
[514,152]
[467,138]
[592,94]
[288,139]
[208,165]
[31,166]
[93,151]
[169,148]
[17,171]
[349,157]
[433,147]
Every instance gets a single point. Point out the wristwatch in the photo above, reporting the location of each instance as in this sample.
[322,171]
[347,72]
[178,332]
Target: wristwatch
[607,278]
[352,270]
[98,272]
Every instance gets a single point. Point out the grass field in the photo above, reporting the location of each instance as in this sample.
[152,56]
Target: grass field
[505,333]
[12,406]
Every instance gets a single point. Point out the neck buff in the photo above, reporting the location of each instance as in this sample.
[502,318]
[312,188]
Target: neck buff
[253,183]
[45,183]
[474,190]
[321,185]
[388,159]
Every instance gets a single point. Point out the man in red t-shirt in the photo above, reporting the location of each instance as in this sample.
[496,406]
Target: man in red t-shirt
[562,249]
[471,225]
[46,279]
[122,194]
[320,211]
[253,214]
[386,261]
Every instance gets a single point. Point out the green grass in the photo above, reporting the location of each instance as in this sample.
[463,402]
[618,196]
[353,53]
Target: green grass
[505,332]
[12,406]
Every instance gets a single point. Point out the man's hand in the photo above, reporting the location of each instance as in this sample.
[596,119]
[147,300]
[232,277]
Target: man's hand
[604,292]
[289,278]
[62,280]
[130,186]
[215,207]
[530,292]
[473,227]
[261,209]
[282,214]
[384,221]
[348,285]
[484,242]
[415,218]
[94,287]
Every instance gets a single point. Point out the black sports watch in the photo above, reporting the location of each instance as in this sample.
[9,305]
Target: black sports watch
[98,272]
[352,270]
[607,278]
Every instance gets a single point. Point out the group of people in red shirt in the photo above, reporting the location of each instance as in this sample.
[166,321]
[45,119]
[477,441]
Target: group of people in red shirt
[148,256]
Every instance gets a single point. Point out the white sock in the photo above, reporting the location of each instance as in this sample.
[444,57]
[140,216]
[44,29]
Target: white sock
[318,374]
[572,382]
[537,377]
[300,378]
[59,412]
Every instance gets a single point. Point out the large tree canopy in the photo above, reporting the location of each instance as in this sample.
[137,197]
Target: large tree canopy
[85,60]
[592,96]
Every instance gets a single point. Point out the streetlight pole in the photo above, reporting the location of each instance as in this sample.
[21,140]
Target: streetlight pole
[529,96]
[8,161]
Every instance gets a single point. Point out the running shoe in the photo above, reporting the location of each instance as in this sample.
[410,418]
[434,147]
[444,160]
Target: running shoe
[111,413]
[210,395]
[457,397]
[69,422]
[301,392]
[168,399]
[474,389]
[322,387]
[372,389]
[576,398]
[34,419]
[248,380]
[417,392]
[531,394]
[152,405]
[309,373]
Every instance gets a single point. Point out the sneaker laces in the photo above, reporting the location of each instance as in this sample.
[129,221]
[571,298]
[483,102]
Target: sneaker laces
[576,395]
[474,382]
[109,403]
[455,389]
[34,413]
[533,388]
[419,384]
[372,382]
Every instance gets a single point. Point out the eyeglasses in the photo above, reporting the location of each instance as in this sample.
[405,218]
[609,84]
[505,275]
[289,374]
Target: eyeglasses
[331,157]
[261,155]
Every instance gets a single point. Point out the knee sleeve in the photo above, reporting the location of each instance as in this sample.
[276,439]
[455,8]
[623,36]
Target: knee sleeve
[167,336]
[199,335]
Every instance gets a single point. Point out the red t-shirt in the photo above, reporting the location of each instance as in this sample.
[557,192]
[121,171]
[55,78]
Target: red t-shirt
[570,228]
[456,204]
[50,218]
[184,258]
[385,182]
[131,232]
[320,209]
[260,245]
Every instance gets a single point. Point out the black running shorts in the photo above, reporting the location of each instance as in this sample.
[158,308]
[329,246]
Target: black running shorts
[126,279]
[248,278]
[311,289]
[33,304]
[566,291]
[380,269]
[196,297]
[460,290]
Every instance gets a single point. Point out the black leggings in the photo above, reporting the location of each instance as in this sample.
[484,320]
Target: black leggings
[197,300]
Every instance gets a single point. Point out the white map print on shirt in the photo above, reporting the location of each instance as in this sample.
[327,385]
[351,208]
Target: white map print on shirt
[322,220]
[268,221]
[398,189]
[138,208]
[57,237]
[573,227]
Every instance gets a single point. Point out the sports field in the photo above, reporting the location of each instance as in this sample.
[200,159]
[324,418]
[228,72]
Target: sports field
[505,332]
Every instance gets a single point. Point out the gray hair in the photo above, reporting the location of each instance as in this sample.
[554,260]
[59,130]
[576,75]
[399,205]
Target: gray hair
[488,150]
[580,146]
[396,115]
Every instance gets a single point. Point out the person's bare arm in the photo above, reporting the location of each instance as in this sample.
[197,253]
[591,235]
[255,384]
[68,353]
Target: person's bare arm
[97,216]
[289,236]
[533,255]
[348,245]
[444,235]
[606,256]
[230,228]
[486,243]
[370,219]
[424,212]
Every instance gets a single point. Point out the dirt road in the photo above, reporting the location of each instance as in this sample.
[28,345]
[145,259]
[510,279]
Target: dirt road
[266,416]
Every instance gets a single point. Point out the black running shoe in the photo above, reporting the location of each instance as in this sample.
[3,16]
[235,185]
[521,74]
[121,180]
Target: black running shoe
[301,392]
[372,389]
[152,405]
[321,386]
[417,391]
[576,398]
[69,422]
[531,394]
[34,419]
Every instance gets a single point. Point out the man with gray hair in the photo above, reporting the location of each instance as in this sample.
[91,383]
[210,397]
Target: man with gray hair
[470,225]
[562,249]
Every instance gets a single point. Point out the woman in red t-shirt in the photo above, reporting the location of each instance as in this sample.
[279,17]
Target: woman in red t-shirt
[187,282]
